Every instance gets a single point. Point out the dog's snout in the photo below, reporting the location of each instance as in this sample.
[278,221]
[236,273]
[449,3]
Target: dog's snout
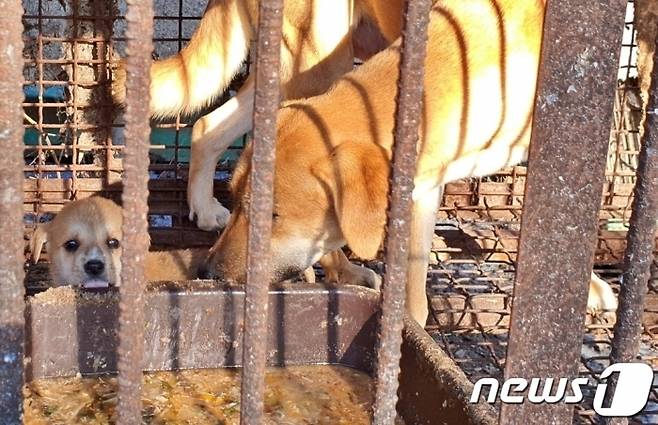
[94,267]
[205,272]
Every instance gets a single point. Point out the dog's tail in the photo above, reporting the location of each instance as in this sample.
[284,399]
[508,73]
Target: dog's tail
[191,79]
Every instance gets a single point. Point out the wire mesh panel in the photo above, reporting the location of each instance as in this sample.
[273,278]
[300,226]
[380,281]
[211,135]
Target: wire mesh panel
[74,133]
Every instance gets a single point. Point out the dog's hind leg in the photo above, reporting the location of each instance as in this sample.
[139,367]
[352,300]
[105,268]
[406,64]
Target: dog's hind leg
[211,136]
[601,297]
[423,218]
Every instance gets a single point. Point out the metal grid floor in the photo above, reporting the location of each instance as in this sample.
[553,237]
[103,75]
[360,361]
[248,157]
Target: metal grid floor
[471,300]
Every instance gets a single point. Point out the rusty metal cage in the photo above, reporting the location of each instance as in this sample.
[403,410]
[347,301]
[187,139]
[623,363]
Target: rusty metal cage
[475,253]
[76,146]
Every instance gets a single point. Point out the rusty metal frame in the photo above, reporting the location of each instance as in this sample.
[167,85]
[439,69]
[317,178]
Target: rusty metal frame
[46,192]
[135,225]
[12,306]
[563,194]
[640,245]
[266,104]
[407,121]
[575,83]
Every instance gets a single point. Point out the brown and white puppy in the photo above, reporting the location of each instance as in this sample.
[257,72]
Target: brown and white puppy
[333,151]
[84,246]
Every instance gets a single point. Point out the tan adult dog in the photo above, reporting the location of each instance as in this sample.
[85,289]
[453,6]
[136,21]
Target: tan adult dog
[333,151]
[84,246]
[318,47]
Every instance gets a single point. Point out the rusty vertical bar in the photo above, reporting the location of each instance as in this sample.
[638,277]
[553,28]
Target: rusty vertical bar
[139,47]
[12,320]
[566,170]
[640,242]
[266,104]
[407,119]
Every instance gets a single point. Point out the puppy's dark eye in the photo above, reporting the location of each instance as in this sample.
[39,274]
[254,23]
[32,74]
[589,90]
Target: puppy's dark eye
[113,243]
[71,245]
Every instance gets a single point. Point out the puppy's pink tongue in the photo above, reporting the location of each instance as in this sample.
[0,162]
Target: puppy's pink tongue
[96,283]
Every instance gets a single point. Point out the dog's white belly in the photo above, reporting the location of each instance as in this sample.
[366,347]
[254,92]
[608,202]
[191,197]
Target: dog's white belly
[477,164]
[484,163]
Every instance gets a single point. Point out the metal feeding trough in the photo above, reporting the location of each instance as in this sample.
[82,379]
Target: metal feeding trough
[200,325]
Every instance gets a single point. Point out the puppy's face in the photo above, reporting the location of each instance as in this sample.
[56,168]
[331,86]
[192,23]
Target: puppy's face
[323,199]
[84,244]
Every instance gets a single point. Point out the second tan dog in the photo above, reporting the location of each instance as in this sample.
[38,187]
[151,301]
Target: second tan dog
[84,246]
[333,151]
[320,40]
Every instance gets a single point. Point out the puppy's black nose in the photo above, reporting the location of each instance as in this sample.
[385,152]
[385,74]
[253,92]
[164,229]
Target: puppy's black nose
[94,267]
[204,272]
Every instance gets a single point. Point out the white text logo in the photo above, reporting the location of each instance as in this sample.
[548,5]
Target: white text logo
[630,397]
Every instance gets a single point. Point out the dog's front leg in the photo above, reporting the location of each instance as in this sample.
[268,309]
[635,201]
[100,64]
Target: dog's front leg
[211,136]
[423,218]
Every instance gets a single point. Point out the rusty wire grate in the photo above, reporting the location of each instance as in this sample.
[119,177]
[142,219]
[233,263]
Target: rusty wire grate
[477,240]
[471,301]
[75,139]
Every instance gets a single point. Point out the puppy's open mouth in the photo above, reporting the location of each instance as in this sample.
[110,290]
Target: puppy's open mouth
[95,284]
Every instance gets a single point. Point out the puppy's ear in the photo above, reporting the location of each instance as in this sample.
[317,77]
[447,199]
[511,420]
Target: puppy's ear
[38,240]
[356,175]
[119,84]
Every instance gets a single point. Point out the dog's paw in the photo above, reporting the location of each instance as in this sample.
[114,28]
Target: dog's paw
[601,300]
[213,216]
[361,276]
[309,275]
